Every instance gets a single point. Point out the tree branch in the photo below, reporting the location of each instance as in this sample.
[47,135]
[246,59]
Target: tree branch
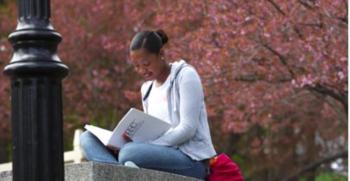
[341,97]
[255,78]
[296,29]
[322,89]
[345,17]
[312,166]
[305,4]
[310,5]
[318,25]
[277,7]
[281,58]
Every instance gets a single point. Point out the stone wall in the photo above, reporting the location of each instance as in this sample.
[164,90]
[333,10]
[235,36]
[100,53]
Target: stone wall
[92,171]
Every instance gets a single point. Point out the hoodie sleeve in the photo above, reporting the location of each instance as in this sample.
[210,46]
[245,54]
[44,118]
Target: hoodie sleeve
[190,98]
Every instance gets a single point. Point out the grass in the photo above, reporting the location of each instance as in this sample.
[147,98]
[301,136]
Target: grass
[328,177]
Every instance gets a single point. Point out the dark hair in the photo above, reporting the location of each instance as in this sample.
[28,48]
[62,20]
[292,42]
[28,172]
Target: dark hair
[152,41]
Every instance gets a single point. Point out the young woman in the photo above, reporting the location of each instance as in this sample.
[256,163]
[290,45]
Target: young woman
[172,92]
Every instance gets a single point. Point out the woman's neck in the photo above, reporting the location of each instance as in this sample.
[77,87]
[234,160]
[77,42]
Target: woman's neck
[163,74]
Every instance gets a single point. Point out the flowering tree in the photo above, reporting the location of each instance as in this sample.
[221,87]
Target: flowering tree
[6,25]
[274,72]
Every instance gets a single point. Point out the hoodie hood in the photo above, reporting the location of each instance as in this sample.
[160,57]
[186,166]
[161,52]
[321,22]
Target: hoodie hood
[175,69]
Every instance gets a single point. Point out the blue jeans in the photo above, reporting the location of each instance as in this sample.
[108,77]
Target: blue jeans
[149,156]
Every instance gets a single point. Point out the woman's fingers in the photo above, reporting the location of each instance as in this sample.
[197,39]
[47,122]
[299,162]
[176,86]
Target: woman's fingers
[126,137]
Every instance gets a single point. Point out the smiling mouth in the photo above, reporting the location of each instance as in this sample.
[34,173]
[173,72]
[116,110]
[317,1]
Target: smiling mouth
[147,75]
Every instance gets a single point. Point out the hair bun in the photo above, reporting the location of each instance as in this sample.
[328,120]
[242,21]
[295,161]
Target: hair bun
[163,36]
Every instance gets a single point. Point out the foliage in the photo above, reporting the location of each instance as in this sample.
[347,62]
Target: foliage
[6,26]
[330,177]
[274,72]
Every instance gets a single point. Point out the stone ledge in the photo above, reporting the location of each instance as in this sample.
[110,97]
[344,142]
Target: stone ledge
[92,171]
[6,176]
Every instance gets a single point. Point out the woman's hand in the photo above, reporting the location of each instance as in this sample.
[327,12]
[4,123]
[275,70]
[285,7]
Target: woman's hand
[113,149]
[126,137]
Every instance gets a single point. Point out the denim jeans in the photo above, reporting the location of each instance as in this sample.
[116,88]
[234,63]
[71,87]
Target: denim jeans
[144,155]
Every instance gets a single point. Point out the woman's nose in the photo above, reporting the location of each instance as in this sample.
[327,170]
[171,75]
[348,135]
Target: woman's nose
[141,70]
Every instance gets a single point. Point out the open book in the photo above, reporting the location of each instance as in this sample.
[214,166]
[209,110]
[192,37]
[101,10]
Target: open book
[137,125]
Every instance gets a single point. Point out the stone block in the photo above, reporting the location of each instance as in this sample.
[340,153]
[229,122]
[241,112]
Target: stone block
[93,171]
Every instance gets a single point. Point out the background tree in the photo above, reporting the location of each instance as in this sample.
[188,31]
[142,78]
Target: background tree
[274,72]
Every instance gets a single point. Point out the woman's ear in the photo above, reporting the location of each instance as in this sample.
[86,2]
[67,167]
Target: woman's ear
[128,59]
[161,53]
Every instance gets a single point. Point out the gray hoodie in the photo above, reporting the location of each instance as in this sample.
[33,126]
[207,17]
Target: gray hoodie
[187,112]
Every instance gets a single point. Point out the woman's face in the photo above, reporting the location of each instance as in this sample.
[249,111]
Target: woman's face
[148,65]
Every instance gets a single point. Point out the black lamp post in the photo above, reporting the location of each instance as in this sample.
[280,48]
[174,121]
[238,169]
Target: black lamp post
[36,73]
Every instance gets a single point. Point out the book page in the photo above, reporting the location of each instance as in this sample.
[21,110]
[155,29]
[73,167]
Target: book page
[102,134]
[139,126]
